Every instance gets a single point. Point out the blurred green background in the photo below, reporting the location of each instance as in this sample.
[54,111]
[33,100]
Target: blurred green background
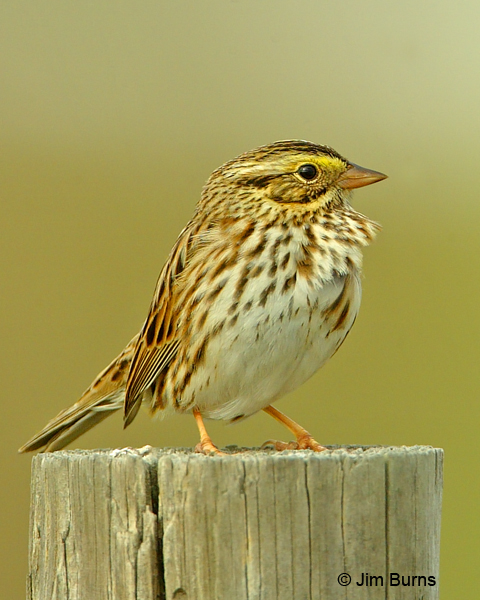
[112,115]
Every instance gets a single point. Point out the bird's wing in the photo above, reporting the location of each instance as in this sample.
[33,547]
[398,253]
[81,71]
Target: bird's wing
[157,344]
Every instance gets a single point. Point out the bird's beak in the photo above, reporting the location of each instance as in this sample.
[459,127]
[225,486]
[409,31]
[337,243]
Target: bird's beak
[355,177]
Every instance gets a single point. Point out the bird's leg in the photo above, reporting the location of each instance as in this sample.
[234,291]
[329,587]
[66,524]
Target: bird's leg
[304,440]
[205,446]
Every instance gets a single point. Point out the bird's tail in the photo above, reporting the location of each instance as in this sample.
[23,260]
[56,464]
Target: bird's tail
[101,399]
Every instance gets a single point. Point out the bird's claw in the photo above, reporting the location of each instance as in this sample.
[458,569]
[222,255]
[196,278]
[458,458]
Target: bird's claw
[279,446]
[208,448]
[303,443]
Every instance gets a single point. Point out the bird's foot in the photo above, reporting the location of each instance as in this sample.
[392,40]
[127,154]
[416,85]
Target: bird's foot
[208,447]
[205,445]
[304,442]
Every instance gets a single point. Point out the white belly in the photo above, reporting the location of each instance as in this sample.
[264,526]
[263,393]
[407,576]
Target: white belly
[271,350]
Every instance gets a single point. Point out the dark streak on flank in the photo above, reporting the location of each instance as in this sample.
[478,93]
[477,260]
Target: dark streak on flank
[285,259]
[224,264]
[290,308]
[273,269]
[214,293]
[241,284]
[233,308]
[266,292]
[257,270]
[259,248]
[160,384]
[342,318]
[218,328]
[186,381]
[274,249]
[289,282]
[158,396]
[330,310]
[199,356]
[202,319]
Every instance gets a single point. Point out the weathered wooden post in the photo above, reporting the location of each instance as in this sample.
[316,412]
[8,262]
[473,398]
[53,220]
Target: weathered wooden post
[154,524]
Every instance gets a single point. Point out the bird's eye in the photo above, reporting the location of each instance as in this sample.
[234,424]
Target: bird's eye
[308,172]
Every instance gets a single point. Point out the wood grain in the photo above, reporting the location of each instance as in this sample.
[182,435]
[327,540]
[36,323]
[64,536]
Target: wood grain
[153,524]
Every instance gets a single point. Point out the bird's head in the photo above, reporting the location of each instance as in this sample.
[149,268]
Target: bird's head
[291,172]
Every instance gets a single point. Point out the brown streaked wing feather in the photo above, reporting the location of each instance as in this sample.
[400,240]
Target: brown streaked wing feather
[157,346]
